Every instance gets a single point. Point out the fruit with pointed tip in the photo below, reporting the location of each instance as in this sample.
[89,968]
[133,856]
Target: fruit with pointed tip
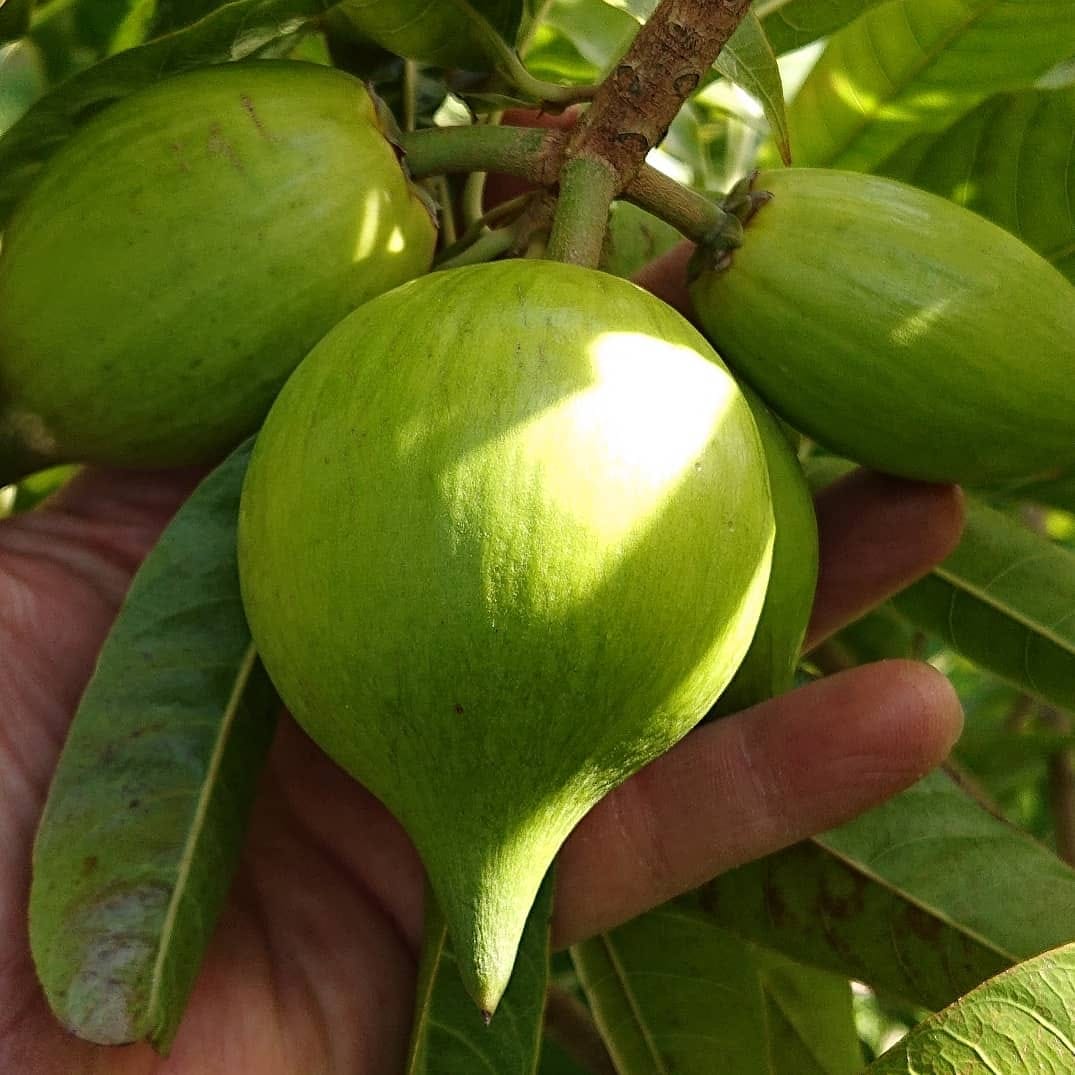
[898,329]
[504,538]
[179,256]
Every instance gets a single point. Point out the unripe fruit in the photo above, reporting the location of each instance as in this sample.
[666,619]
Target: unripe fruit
[898,329]
[769,666]
[179,256]
[504,538]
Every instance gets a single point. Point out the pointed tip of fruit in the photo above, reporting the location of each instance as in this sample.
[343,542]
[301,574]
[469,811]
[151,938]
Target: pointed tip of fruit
[487,1016]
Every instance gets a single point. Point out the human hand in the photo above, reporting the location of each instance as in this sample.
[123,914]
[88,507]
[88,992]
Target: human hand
[312,965]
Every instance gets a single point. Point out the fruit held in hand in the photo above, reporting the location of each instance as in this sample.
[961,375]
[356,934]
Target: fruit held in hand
[898,329]
[504,538]
[769,666]
[181,254]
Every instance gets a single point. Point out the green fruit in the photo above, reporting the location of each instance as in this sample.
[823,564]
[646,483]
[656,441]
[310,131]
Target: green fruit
[504,538]
[898,329]
[180,255]
[769,666]
[444,33]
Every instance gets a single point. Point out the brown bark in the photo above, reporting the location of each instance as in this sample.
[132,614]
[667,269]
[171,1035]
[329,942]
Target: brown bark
[633,108]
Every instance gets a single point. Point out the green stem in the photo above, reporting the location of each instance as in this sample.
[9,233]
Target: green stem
[486,247]
[473,197]
[695,215]
[516,151]
[410,95]
[587,187]
[505,213]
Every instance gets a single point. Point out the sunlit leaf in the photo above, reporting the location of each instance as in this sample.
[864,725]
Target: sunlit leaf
[1021,1021]
[144,821]
[913,66]
[790,24]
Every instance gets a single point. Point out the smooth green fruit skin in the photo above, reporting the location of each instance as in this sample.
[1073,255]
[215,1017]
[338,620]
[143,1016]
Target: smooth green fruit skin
[432,31]
[898,329]
[769,666]
[181,255]
[504,539]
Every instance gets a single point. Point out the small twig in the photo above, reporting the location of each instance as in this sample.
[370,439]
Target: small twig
[487,247]
[570,1025]
[497,216]
[410,95]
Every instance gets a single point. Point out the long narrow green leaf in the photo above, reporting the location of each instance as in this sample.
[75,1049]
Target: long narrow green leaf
[1010,160]
[1021,1021]
[913,66]
[449,1035]
[923,898]
[671,992]
[145,818]
[1005,600]
[241,30]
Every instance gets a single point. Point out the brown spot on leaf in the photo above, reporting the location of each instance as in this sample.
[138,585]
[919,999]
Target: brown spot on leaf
[89,864]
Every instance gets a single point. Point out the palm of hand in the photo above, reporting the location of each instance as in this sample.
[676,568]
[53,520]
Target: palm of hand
[312,966]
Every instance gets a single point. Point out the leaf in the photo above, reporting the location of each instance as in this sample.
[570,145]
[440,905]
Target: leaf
[1023,1020]
[922,898]
[748,60]
[1010,160]
[143,825]
[580,41]
[790,24]
[670,991]
[14,19]
[473,34]
[912,66]
[449,1034]
[1005,600]
[238,31]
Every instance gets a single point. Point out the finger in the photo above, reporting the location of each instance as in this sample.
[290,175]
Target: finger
[64,569]
[751,784]
[877,534]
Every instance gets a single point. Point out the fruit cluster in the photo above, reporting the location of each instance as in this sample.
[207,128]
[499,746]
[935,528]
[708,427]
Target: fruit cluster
[509,530]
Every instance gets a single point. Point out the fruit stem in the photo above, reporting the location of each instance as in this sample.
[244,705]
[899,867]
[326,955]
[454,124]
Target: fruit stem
[486,247]
[504,213]
[695,215]
[587,187]
[517,151]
